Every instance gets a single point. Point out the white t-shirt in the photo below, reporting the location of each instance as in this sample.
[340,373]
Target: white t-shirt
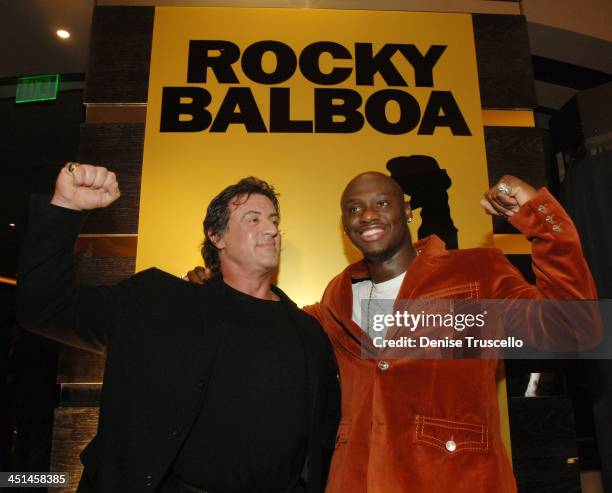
[365,290]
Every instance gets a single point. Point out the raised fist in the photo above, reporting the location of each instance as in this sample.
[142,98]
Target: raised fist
[507,196]
[84,187]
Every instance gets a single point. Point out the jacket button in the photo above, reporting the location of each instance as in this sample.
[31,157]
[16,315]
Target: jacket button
[451,446]
[148,480]
[549,219]
[383,365]
[176,432]
[542,208]
[556,228]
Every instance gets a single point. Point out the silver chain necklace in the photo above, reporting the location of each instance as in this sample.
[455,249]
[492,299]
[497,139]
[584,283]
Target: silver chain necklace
[368,314]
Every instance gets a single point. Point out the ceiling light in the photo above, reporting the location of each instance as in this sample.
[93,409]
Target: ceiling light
[63,33]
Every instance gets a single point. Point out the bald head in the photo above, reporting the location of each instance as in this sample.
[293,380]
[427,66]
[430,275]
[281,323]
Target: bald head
[374,216]
[372,179]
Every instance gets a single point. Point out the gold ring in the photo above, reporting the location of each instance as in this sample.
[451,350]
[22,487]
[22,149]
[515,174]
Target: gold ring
[72,166]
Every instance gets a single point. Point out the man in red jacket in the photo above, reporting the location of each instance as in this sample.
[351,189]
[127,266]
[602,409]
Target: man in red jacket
[433,425]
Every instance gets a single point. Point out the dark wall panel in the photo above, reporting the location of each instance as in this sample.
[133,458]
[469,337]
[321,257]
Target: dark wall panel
[517,151]
[73,429]
[504,61]
[119,147]
[101,271]
[80,394]
[78,366]
[119,56]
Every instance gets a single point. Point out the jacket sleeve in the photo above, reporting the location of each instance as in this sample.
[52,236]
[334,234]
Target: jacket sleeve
[315,311]
[554,319]
[558,262]
[49,301]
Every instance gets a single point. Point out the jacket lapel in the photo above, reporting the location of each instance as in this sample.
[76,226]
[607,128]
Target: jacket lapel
[338,301]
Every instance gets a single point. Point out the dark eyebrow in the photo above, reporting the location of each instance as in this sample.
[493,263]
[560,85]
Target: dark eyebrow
[249,212]
[274,214]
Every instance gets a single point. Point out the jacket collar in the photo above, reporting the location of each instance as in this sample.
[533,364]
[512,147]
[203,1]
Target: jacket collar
[431,251]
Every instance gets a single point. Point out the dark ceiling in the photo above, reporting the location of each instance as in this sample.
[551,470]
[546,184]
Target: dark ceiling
[28,41]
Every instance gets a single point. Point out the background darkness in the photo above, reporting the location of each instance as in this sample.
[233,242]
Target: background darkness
[35,140]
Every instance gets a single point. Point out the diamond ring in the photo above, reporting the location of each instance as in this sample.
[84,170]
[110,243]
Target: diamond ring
[503,188]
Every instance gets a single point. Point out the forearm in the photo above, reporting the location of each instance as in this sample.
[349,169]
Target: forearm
[561,274]
[558,261]
[47,295]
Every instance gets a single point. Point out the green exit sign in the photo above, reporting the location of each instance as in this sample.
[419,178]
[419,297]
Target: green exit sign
[37,88]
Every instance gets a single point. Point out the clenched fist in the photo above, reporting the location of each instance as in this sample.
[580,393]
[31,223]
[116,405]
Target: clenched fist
[507,196]
[86,187]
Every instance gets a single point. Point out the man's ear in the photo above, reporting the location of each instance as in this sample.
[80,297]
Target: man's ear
[217,240]
[408,211]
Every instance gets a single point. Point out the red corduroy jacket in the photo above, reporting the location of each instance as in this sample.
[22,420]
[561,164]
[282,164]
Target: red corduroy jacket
[398,418]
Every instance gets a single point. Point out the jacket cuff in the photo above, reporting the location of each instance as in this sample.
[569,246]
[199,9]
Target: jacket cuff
[542,215]
[60,222]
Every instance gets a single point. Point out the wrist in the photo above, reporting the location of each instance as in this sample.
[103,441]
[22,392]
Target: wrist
[60,201]
[525,194]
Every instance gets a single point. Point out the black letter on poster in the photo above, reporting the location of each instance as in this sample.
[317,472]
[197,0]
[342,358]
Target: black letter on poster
[451,115]
[172,108]
[247,114]
[200,61]
[325,110]
[310,63]
[376,106]
[423,64]
[286,62]
[367,64]
[280,113]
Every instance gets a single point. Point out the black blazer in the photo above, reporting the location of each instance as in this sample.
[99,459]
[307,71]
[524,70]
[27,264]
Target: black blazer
[160,335]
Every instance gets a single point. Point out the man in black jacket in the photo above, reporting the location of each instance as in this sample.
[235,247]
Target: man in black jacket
[226,387]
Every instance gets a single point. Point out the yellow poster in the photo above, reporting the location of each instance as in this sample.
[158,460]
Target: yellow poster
[304,99]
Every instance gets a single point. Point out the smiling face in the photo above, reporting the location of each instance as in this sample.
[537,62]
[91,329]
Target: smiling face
[374,216]
[251,242]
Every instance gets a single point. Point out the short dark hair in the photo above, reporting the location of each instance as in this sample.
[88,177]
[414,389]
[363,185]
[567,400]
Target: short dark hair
[217,214]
